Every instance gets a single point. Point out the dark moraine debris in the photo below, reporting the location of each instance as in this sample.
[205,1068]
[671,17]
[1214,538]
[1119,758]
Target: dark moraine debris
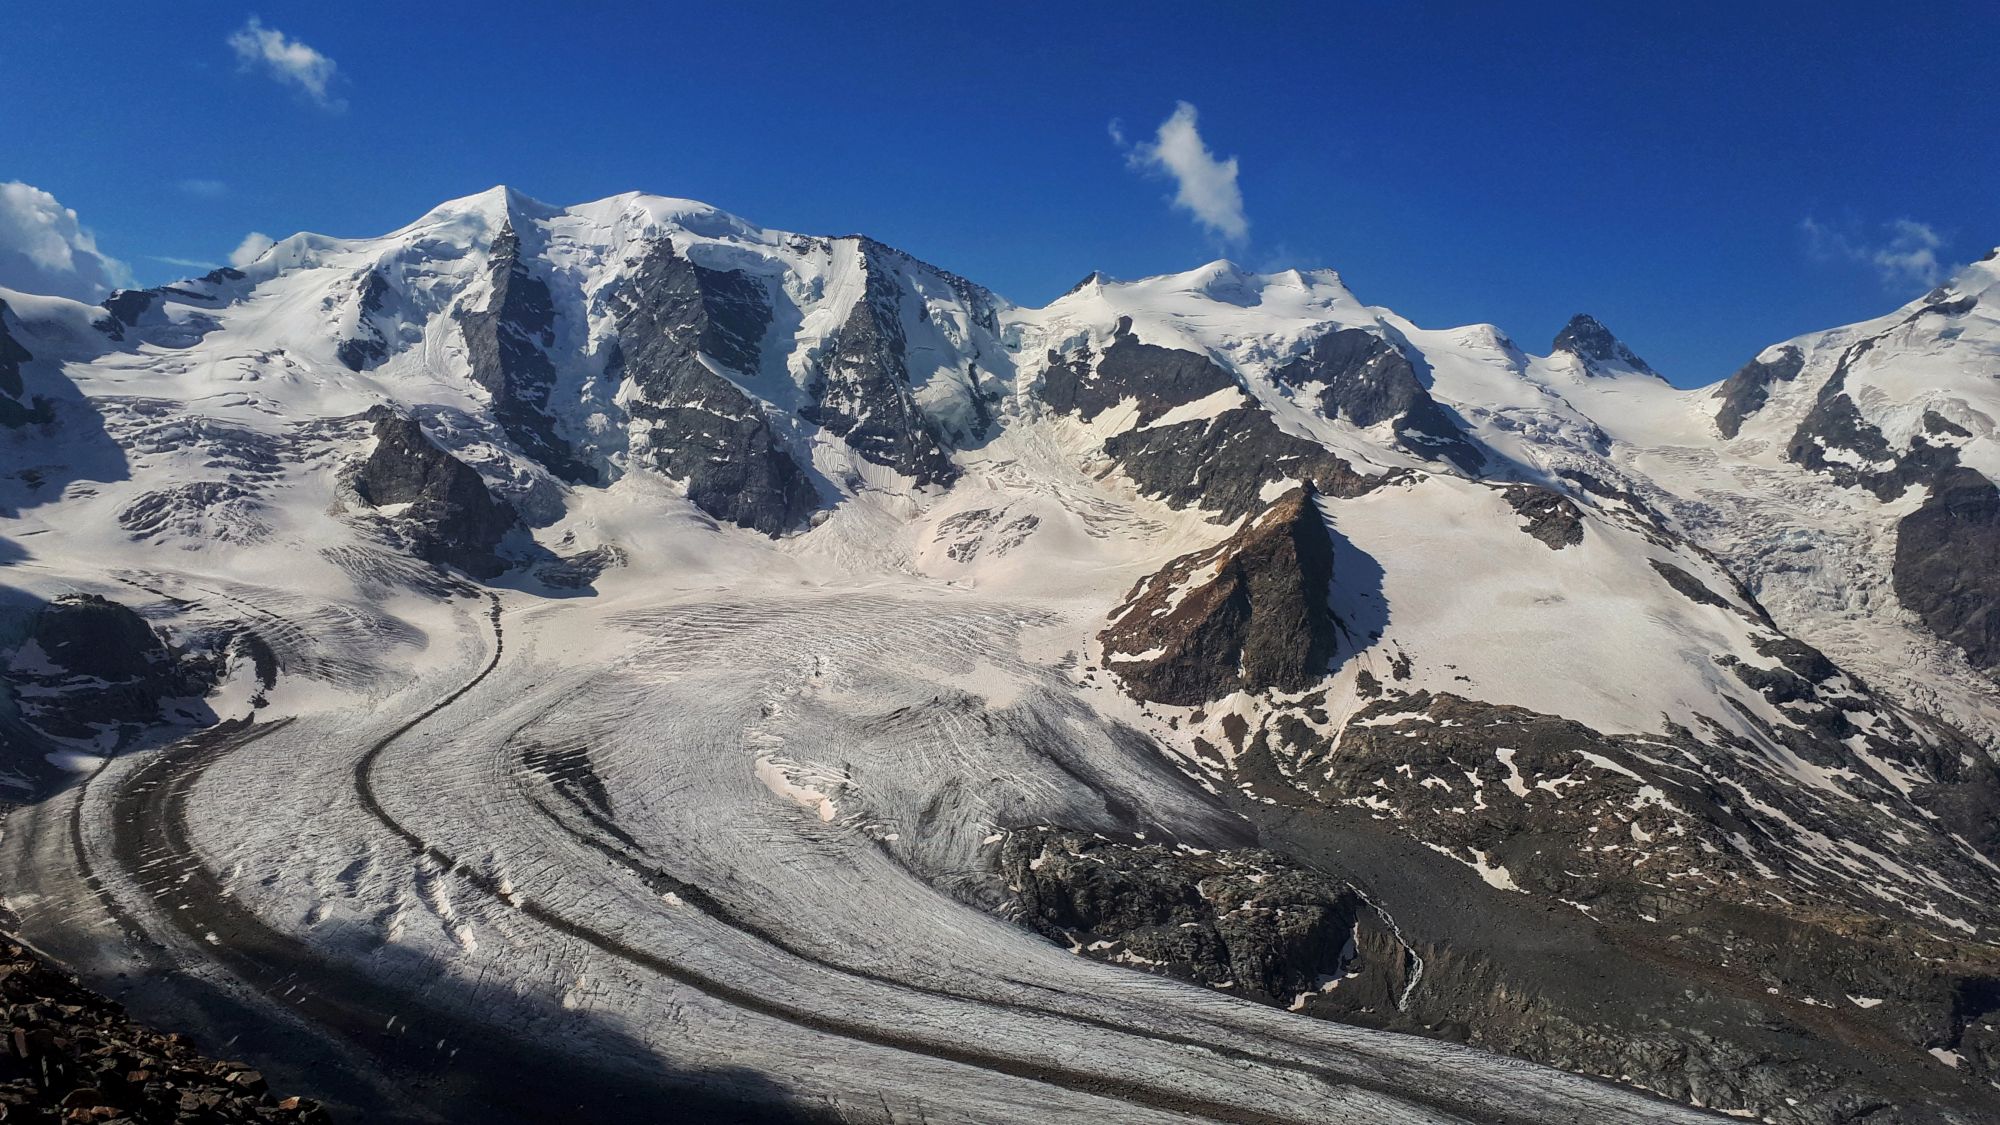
[1156,378]
[1368,380]
[1242,919]
[505,344]
[1588,340]
[1552,517]
[452,518]
[1250,614]
[1745,392]
[705,431]
[1223,463]
[71,1055]
[862,391]
[1947,564]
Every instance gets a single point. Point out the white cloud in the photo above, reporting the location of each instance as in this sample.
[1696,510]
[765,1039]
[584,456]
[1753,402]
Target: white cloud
[1905,255]
[1206,186]
[250,249]
[43,249]
[286,61]
[188,263]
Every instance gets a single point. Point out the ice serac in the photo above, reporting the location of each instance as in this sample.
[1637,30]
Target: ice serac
[451,517]
[1745,392]
[677,322]
[1249,615]
[1947,568]
[1369,380]
[1601,352]
[862,391]
[506,344]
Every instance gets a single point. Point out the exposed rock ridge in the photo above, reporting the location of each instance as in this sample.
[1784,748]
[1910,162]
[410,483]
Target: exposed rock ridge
[1588,340]
[506,346]
[1248,615]
[451,517]
[861,392]
[701,428]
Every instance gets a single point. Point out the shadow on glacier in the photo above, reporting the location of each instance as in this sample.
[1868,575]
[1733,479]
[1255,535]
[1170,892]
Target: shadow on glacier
[64,441]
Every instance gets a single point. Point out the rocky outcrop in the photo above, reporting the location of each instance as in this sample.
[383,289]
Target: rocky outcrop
[861,392]
[1248,615]
[366,347]
[701,428]
[1551,517]
[1947,563]
[1223,464]
[1745,392]
[450,517]
[506,345]
[1588,340]
[1154,378]
[1368,380]
[13,410]
[1240,919]
[68,1054]
[93,670]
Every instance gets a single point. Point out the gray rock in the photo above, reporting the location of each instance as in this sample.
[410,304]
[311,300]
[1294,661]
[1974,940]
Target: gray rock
[1222,464]
[705,430]
[1947,563]
[1369,380]
[452,518]
[1552,517]
[1157,378]
[1248,615]
[1745,392]
[1588,340]
[861,392]
[505,344]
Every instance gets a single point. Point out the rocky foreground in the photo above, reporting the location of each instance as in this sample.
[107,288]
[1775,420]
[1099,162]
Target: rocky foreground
[68,1054]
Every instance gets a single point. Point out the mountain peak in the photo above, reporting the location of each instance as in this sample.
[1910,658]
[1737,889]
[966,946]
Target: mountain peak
[1586,338]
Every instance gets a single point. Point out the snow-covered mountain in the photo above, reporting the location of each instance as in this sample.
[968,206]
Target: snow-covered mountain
[864,631]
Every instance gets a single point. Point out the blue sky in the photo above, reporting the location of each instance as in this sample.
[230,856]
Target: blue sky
[1705,178]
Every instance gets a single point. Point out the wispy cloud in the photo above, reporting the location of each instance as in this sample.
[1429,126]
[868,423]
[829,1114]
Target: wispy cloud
[43,249]
[1903,252]
[190,263]
[286,61]
[1205,187]
[250,249]
[203,189]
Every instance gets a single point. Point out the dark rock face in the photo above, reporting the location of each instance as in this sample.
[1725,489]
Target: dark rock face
[1223,463]
[1745,392]
[68,1054]
[13,412]
[1369,380]
[452,518]
[126,306]
[1552,517]
[505,343]
[1157,378]
[1588,340]
[705,430]
[102,669]
[1250,614]
[367,347]
[1947,566]
[1240,919]
[862,391]
[1688,586]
